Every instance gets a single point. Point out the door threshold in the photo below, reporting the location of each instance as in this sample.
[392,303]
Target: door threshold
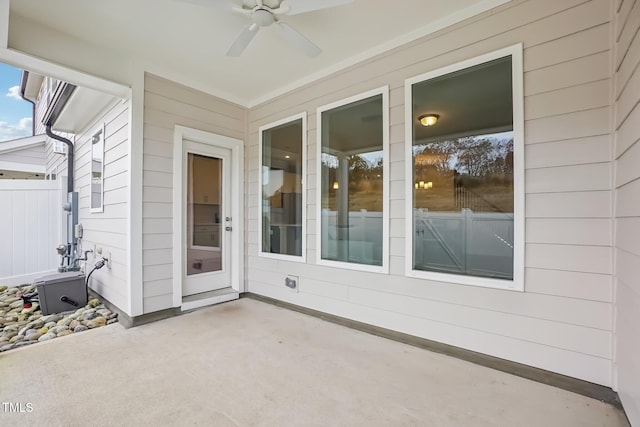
[209,298]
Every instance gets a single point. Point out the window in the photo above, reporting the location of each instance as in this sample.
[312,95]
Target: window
[465,177]
[352,184]
[97,170]
[282,198]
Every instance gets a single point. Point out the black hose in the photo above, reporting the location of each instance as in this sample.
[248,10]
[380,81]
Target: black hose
[98,266]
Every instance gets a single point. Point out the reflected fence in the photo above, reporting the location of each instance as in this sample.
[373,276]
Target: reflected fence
[464,242]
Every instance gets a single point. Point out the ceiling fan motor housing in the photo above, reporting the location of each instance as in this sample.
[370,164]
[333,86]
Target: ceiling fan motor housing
[262,17]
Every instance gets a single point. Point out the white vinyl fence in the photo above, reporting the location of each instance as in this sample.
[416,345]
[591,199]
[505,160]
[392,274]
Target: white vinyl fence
[463,242]
[466,242]
[30,223]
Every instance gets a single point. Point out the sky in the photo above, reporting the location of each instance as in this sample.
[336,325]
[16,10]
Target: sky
[15,113]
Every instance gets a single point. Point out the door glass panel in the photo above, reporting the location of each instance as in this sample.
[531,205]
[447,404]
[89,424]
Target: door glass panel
[204,222]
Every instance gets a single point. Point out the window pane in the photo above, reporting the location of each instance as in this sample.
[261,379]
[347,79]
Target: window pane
[204,204]
[352,183]
[97,155]
[282,189]
[463,194]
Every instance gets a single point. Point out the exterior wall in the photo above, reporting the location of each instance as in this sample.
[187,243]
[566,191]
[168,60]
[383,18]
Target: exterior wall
[107,229]
[563,320]
[166,105]
[627,205]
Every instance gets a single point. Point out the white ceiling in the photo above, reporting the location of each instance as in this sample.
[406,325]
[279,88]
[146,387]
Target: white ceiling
[187,42]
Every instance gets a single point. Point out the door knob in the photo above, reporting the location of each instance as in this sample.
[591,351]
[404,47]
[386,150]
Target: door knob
[228,218]
[228,228]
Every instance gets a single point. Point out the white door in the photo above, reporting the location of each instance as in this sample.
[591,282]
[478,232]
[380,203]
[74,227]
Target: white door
[207,224]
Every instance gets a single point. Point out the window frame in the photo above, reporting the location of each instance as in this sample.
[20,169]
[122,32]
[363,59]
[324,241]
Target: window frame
[296,258]
[517,283]
[384,268]
[100,130]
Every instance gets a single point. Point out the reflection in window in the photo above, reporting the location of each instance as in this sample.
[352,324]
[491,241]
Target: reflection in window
[352,182]
[282,189]
[97,168]
[463,186]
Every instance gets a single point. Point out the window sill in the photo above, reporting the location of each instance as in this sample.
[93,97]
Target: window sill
[484,282]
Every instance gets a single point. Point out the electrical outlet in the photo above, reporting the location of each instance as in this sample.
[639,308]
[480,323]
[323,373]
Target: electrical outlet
[291,282]
[108,257]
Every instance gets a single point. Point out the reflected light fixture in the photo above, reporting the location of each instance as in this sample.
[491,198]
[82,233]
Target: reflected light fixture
[428,119]
[336,185]
[287,156]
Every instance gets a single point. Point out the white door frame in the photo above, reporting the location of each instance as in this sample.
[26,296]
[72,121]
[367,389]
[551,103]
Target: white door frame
[237,205]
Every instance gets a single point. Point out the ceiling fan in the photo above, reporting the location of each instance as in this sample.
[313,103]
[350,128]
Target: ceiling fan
[265,13]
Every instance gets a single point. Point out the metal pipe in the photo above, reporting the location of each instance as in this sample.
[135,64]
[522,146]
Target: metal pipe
[23,87]
[50,134]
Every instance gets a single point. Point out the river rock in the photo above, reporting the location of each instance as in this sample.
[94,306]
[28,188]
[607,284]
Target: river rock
[80,328]
[47,337]
[16,304]
[93,302]
[9,334]
[64,322]
[7,347]
[31,309]
[43,330]
[73,324]
[3,288]
[97,322]
[51,318]
[12,291]
[50,325]
[11,300]
[104,312]
[27,331]
[111,321]
[33,336]
[64,333]
[17,338]
[89,315]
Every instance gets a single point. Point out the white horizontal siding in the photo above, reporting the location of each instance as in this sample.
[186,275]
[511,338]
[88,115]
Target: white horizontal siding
[168,104]
[563,320]
[627,207]
[106,230]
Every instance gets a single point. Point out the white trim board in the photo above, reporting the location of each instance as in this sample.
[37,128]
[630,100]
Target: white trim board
[237,188]
[303,257]
[22,143]
[78,78]
[517,284]
[22,167]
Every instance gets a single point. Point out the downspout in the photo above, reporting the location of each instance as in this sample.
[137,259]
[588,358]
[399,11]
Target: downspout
[60,99]
[50,134]
[23,87]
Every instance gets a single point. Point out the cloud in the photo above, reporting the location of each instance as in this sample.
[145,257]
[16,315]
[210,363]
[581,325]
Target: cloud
[15,130]
[14,92]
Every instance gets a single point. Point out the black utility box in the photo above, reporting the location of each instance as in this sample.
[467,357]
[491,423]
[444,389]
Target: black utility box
[62,292]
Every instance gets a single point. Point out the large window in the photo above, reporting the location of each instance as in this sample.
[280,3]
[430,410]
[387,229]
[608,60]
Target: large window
[465,172]
[97,170]
[352,182]
[282,200]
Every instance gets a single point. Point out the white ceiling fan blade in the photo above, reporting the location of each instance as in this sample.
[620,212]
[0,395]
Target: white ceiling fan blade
[297,40]
[243,40]
[302,6]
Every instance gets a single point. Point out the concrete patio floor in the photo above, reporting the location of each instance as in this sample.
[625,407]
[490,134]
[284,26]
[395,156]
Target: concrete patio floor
[248,363]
